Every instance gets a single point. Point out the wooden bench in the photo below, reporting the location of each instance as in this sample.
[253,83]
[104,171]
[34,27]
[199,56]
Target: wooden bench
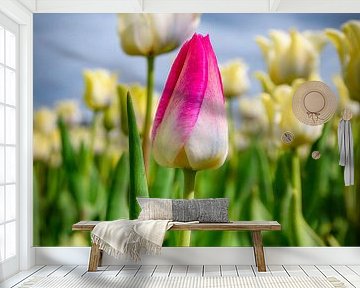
[254,226]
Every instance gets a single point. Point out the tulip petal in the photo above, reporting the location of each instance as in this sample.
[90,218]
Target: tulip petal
[264,45]
[170,30]
[182,32]
[207,146]
[351,30]
[169,87]
[162,29]
[136,34]
[181,101]
[340,42]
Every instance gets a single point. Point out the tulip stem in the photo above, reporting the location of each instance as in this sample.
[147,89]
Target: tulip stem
[93,132]
[147,123]
[296,182]
[230,114]
[189,193]
[189,183]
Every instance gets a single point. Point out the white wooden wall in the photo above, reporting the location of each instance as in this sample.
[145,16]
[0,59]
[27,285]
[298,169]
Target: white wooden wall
[203,6]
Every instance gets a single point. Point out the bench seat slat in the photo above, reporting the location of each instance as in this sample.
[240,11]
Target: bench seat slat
[232,226]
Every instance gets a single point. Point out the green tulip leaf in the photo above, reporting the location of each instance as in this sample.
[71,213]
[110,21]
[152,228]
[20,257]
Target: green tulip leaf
[138,181]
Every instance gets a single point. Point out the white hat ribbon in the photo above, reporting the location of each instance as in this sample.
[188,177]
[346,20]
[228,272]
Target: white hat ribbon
[345,141]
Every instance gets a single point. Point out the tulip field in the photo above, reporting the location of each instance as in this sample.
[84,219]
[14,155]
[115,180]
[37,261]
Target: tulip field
[202,137]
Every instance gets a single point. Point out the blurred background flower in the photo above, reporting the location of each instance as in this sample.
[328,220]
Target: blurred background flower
[347,43]
[254,120]
[44,121]
[69,111]
[154,34]
[291,55]
[100,88]
[235,78]
[345,102]
[47,147]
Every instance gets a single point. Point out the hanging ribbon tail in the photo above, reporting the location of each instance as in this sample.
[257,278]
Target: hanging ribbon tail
[341,141]
[351,156]
[346,150]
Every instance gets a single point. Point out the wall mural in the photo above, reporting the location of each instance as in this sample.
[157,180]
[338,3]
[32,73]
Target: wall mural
[260,109]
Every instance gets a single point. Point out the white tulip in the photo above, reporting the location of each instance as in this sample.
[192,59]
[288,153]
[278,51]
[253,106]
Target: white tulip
[154,34]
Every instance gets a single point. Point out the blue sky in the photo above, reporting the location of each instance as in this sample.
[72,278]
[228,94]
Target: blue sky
[66,44]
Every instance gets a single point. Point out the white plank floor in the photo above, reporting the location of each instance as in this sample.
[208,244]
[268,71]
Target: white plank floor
[350,275]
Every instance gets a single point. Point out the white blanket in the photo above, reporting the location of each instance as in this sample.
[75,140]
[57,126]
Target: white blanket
[130,237]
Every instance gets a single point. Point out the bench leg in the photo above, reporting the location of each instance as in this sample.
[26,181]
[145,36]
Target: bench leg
[95,258]
[258,251]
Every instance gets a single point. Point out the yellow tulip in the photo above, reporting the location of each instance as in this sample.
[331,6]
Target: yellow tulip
[41,146]
[347,44]
[154,34]
[234,78]
[344,100]
[278,107]
[44,121]
[292,55]
[68,111]
[100,88]
[46,147]
[138,96]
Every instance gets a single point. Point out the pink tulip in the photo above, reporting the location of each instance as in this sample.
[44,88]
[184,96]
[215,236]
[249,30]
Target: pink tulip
[190,128]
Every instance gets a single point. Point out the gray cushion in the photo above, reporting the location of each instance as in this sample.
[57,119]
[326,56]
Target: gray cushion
[213,210]
[202,210]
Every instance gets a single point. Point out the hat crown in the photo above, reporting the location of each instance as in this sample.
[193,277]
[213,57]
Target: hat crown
[314,101]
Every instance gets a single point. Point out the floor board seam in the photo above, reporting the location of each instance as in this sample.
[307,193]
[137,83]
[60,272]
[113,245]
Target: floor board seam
[28,276]
[120,270]
[342,276]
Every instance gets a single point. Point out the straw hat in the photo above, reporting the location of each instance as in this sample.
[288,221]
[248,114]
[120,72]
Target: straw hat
[314,103]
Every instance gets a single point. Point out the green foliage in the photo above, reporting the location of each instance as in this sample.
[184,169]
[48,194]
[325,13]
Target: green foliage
[118,199]
[92,186]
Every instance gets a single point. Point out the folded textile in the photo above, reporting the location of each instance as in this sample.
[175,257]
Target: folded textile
[345,142]
[130,237]
[210,210]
